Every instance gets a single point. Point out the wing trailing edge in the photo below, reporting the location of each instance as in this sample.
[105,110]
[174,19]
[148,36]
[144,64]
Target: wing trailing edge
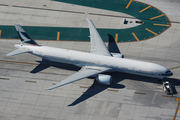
[84,72]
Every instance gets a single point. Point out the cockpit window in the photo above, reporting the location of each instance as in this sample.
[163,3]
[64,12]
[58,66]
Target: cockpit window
[168,71]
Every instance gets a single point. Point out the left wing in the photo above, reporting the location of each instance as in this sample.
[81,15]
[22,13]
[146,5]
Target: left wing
[97,44]
[84,72]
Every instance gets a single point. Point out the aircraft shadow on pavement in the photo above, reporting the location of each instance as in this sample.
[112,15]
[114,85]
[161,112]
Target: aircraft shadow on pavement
[44,64]
[112,46]
[118,77]
[97,88]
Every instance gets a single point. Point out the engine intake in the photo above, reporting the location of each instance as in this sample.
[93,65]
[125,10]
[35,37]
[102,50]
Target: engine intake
[104,79]
[117,55]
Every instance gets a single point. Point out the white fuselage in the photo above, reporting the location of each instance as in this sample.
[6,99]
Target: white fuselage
[89,59]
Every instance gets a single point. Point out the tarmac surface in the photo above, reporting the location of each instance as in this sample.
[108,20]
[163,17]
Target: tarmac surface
[23,81]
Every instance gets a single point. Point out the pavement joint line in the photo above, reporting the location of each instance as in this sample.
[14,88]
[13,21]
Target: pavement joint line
[128,4]
[139,93]
[116,38]
[123,17]
[145,9]
[157,17]
[135,36]
[47,9]
[151,31]
[30,81]
[161,24]
[112,90]
[4,78]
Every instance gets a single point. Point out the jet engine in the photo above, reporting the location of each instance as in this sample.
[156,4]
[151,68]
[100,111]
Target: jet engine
[118,55]
[104,79]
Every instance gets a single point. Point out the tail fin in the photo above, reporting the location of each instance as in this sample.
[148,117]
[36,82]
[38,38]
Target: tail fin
[23,35]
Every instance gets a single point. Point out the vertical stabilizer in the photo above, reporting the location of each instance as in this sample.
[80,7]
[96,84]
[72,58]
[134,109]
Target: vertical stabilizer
[23,35]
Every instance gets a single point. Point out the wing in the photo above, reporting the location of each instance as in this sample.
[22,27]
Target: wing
[97,44]
[84,72]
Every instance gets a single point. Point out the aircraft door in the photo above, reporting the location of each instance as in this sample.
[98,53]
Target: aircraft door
[157,73]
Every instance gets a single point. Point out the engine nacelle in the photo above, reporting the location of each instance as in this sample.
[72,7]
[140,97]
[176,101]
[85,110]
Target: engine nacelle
[117,55]
[104,79]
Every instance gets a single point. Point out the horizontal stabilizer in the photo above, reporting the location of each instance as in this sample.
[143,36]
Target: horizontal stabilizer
[17,52]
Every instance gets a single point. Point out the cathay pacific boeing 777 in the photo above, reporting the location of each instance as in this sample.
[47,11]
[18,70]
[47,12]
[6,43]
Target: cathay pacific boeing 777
[98,61]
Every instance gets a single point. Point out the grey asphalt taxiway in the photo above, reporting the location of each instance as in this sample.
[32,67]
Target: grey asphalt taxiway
[130,97]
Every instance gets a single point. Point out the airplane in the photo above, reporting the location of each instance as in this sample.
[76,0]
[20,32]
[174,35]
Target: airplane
[98,61]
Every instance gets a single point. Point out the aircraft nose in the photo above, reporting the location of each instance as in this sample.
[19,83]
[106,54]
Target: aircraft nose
[170,73]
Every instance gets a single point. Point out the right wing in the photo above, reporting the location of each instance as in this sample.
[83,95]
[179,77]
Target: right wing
[97,44]
[84,72]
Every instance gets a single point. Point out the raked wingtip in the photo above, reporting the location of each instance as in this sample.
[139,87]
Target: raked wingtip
[47,89]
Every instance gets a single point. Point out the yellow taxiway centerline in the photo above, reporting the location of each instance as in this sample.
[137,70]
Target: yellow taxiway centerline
[144,9]
[58,34]
[156,17]
[18,62]
[112,90]
[128,4]
[83,87]
[4,78]
[177,99]
[161,24]
[30,81]
[166,96]
[151,31]
[174,68]
[140,93]
[116,38]
[135,36]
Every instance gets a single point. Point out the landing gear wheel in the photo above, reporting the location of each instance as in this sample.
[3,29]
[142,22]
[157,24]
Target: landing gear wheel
[160,80]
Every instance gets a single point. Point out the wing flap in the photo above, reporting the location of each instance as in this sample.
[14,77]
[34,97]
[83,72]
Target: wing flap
[85,72]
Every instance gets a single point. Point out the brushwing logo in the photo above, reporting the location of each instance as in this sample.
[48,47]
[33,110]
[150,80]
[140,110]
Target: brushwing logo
[25,37]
